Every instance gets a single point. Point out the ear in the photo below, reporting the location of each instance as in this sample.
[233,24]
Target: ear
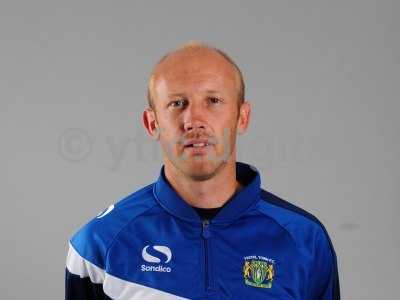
[244,117]
[149,122]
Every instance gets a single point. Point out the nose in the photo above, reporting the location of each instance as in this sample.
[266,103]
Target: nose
[194,118]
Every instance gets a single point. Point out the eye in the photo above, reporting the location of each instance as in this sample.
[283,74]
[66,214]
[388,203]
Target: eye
[214,100]
[178,103]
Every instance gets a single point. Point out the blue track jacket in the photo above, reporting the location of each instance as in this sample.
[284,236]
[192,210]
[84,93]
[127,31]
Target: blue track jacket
[152,245]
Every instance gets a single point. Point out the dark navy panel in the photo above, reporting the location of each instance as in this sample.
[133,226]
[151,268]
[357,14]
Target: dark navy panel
[77,288]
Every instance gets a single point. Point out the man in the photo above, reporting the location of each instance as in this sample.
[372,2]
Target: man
[205,229]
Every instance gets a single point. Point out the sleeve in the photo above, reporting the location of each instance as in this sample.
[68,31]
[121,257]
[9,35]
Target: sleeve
[324,283]
[82,288]
[83,279]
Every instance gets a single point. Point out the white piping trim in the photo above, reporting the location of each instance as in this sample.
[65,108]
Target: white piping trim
[113,287]
[119,289]
[77,265]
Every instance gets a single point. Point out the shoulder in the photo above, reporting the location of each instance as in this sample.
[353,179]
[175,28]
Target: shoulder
[312,240]
[305,229]
[92,240]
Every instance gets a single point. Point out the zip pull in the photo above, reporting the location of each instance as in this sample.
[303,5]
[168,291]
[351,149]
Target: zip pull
[206,229]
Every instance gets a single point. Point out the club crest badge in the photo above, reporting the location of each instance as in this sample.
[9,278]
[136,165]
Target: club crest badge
[259,271]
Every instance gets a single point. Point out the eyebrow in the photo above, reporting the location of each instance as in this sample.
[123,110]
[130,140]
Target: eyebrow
[183,94]
[175,94]
[212,92]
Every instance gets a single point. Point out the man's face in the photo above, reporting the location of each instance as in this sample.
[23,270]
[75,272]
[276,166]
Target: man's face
[196,109]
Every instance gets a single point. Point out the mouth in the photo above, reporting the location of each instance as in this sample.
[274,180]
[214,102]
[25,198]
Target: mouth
[198,143]
[198,147]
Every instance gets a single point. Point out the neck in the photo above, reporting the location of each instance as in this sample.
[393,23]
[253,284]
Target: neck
[210,193]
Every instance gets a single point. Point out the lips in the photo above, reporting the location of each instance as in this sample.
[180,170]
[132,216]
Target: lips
[200,146]
[197,143]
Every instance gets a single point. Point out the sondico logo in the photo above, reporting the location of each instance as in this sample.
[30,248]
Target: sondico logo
[166,256]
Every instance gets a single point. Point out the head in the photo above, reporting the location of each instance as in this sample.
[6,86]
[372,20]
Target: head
[196,109]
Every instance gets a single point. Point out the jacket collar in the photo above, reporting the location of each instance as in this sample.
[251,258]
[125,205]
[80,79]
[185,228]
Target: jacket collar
[236,205]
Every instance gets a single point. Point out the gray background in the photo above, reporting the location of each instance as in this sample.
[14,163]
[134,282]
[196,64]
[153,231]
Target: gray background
[323,78]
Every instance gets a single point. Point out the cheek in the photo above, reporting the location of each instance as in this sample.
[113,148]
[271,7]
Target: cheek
[169,138]
[168,146]
[169,127]
[227,133]
[227,124]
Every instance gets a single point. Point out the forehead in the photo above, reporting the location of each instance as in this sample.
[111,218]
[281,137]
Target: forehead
[194,70]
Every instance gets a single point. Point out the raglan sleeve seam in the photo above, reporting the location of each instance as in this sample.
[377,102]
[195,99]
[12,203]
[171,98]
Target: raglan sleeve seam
[116,235]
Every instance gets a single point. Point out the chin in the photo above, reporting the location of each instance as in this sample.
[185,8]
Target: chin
[200,175]
[201,170]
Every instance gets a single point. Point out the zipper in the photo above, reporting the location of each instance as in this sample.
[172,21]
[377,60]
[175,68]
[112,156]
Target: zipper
[207,261]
